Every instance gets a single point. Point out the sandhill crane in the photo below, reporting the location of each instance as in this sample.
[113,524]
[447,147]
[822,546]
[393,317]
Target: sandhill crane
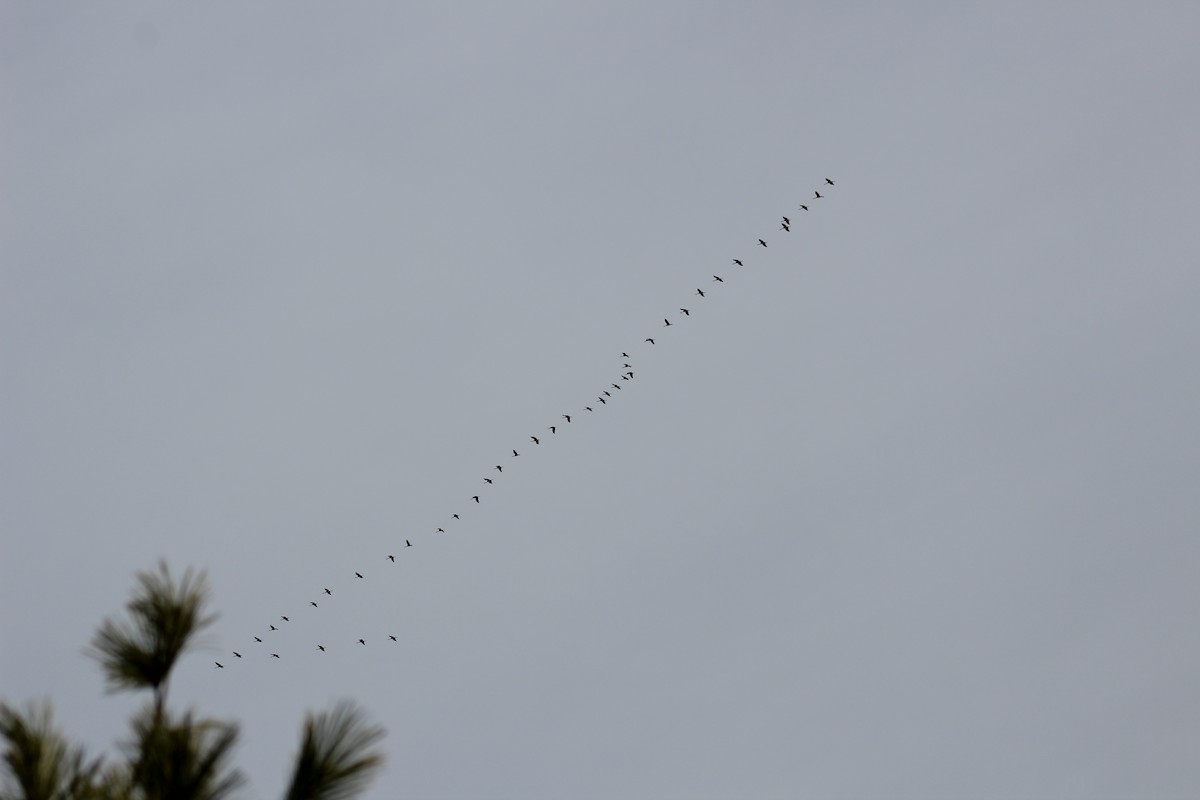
[274,628]
[393,638]
[285,619]
[439,530]
[392,559]
[499,468]
[718,279]
[618,388]
[587,408]
[328,592]
[817,195]
[219,665]
[455,516]
[321,648]
[535,440]
[258,640]
[358,574]
[362,641]
[625,355]
[787,221]
[829,181]
[683,311]
[760,241]
[738,261]
[475,497]
[488,480]
[804,207]
[700,292]
[784,227]
[651,341]
[567,417]
[552,429]
[313,603]
[602,400]
[407,543]
[515,454]
[237,654]
[666,322]
[274,655]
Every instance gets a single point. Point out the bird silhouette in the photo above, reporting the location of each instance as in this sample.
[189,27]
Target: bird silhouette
[456,516]
[630,366]
[618,388]
[683,311]
[475,497]
[392,559]
[358,574]
[666,322]
[567,417]
[274,628]
[285,619]
[804,207]
[361,641]
[700,292]
[328,592]
[829,181]
[602,400]
[219,665]
[784,227]
[817,195]
[651,341]
[237,654]
[587,408]
[407,543]
[393,638]
[738,261]
[515,454]
[439,530]
[535,440]
[488,480]
[258,640]
[274,655]
[624,355]
[624,377]
[552,429]
[321,648]
[787,221]
[630,374]
[718,279]
[313,603]
[499,468]
[760,241]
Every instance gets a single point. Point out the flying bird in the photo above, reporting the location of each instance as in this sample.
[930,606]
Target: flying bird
[618,388]
[313,603]
[321,648]
[630,366]
[499,468]
[551,429]
[358,574]
[829,181]
[285,619]
[274,655]
[567,417]
[685,312]
[219,665]
[651,341]
[784,227]
[804,207]
[407,543]
[700,292]
[393,638]
[624,377]
[328,592]
[787,221]
[607,393]
[535,440]
[392,559]
[624,355]
[760,241]
[602,400]
[360,641]
[488,480]
[274,628]
[236,653]
[718,279]
[738,261]
[666,322]
[587,408]
[817,195]
[515,454]
[440,530]
[475,497]
[258,640]
[456,516]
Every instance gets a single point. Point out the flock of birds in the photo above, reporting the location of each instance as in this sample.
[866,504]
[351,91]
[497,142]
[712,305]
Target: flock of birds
[260,644]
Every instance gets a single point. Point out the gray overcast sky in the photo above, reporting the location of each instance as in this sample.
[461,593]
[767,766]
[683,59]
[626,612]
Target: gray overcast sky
[906,508]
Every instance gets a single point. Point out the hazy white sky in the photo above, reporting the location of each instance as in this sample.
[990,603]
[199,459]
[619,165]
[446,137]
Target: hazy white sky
[906,508]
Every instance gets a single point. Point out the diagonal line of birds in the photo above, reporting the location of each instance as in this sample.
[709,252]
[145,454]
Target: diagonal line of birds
[261,648]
